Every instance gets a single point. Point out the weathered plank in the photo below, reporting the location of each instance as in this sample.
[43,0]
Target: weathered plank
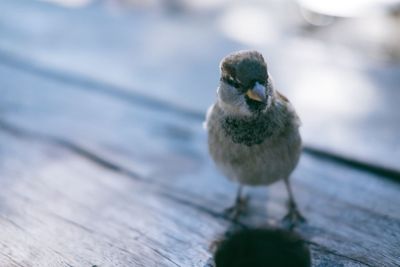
[348,103]
[66,211]
[93,163]
[59,209]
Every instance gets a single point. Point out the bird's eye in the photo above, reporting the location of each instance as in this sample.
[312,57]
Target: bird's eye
[232,82]
[261,81]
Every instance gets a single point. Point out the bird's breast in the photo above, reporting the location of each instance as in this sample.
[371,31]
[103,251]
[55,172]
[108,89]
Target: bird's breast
[253,152]
[248,131]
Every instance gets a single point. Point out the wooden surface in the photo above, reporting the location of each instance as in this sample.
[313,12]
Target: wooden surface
[95,175]
[92,179]
[350,107]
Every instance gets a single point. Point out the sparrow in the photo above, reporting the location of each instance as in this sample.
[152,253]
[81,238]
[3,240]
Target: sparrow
[253,130]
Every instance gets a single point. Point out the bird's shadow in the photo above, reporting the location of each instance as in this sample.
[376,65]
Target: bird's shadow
[259,247]
[270,243]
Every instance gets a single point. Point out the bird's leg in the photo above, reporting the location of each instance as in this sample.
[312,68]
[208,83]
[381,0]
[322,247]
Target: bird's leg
[294,216]
[239,206]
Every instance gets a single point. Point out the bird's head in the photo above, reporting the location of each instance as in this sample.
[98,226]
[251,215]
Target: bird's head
[245,87]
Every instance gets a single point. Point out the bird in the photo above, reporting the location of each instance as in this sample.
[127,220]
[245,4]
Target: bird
[253,130]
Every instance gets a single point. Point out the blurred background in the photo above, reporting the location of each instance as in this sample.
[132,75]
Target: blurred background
[337,61]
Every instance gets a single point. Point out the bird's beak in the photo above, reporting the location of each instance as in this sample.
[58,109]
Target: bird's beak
[257,93]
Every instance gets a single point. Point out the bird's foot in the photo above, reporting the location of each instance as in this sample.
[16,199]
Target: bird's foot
[293,218]
[237,209]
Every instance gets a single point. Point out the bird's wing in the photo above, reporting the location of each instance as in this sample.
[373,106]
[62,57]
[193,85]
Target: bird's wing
[282,97]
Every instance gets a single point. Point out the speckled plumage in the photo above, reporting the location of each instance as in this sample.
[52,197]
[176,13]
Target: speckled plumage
[259,150]
[252,146]
[253,130]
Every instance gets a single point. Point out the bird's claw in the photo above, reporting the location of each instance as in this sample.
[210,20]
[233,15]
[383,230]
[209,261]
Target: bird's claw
[237,209]
[293,218]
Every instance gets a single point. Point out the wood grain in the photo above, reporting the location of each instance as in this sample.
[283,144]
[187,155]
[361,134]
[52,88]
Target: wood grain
[348,104]
[88,179]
